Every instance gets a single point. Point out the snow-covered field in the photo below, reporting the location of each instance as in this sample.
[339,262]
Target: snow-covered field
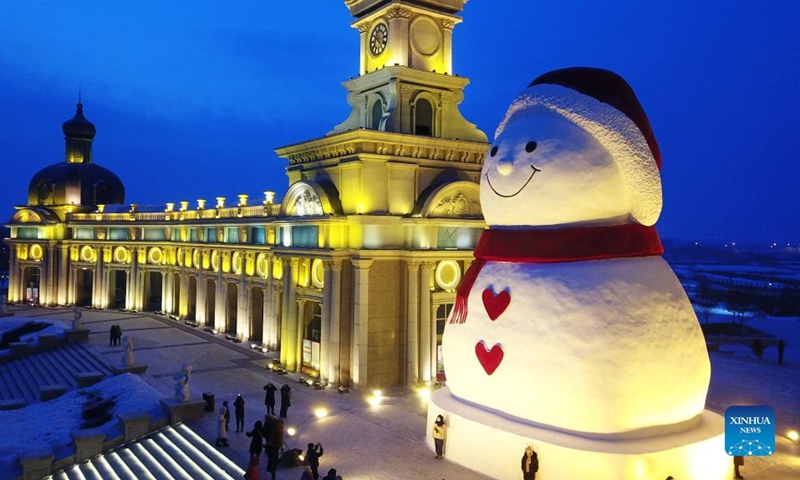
[786,328]
[48,424]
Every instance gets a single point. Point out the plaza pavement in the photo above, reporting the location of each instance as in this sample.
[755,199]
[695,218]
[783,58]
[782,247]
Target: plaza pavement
[384,442]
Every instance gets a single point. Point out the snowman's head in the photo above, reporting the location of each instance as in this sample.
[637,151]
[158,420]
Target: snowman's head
[563,157]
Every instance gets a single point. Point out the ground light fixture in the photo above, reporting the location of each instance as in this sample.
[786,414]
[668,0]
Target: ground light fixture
[321,412]
[291,431]
[424,394]
[793,435]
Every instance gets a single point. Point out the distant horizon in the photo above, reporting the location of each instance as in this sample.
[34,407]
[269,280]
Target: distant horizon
[190,102]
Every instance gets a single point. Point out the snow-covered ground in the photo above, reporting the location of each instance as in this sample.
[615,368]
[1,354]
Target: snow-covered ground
[785,328]
[14,322]
[48,424]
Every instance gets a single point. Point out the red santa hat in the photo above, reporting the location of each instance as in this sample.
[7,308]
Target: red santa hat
[603,104]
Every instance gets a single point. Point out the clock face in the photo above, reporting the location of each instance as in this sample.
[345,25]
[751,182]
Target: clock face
[378,39]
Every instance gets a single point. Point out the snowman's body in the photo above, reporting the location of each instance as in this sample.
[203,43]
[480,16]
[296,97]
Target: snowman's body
[597,346]
[597,358]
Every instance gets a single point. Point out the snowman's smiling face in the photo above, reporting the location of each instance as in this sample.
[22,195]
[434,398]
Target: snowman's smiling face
[544,170]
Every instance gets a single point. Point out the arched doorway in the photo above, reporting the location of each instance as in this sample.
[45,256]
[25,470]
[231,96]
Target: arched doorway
[32,277]
[84,284]
[423,118]
[256,314]
[118,288]
[231,305]
[211,299]
[191,304]
[152,287]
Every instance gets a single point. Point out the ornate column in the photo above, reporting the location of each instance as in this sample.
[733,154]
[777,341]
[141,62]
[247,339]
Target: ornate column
[45,273]
[63,274]
[398,32]
[447,44]
[425,321]
[14,274]
[412,330]
[243,327]
[301,325]
[167,290]
[358,368]
[200,297]
[289,315]
[220,303]
[270,319]
[97,283]
[329,346]
[183,296]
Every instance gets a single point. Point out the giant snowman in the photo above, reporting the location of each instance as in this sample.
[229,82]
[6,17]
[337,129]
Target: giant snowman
[570,332]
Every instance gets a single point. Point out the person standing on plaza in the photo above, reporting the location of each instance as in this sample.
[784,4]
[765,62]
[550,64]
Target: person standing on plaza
[238,410]
[256,439]
[286,400]
[222,429]
[269,398]
[438,436]
[227,416]
[312,458]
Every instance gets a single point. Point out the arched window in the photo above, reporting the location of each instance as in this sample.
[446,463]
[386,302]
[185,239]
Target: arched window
[423,118]
[377,113]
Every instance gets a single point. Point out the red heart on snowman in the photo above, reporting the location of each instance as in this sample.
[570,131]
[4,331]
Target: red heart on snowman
[490,359]
[495,305]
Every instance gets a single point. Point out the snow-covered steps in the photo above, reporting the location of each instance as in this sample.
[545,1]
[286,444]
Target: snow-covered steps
[45,375]
[174,452]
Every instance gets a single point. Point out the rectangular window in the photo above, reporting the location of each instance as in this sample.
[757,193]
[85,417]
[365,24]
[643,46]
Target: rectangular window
[458,238]
[118,234]
[305,236]
[258,236]
[27,232]
[232,235]
[175,235]
[192,234]
[155,234]
[442,314]
[211,235]
[84,233]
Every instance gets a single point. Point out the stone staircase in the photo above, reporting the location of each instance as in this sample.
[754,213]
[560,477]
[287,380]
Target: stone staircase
[44,375]
[173,452]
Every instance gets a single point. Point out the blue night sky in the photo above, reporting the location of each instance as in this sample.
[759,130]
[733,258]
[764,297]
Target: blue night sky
[190,97]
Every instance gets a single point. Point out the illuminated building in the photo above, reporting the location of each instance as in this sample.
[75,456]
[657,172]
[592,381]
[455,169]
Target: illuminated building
[351,275]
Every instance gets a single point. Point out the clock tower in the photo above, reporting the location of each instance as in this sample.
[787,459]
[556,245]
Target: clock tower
[406,82]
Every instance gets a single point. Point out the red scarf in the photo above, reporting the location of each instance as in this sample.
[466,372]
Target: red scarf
[555,246]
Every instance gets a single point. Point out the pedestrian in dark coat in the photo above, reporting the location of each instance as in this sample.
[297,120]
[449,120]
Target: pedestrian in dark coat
[332,475]
[269,398]
[312,458]
[273,441]
[256,439]
[227,416]
[112,335]
[781,348]
[286,400]
[530,464]
[238,410]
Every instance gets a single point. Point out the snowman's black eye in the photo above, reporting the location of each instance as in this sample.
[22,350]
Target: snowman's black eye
[529,147]
[494,151]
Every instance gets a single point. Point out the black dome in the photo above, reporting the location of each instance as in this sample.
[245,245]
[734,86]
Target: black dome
[75,183]
[78,126]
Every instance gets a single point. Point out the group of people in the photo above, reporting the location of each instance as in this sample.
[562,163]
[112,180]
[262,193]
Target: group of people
[115,334]
[269,399]
[530,460]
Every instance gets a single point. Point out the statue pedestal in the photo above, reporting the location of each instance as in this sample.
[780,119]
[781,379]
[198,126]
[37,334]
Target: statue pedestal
[182,411]
[492,443]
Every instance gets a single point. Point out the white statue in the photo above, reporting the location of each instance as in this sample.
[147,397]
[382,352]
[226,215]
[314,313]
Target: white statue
[127,351]
[182,383]
[76,318]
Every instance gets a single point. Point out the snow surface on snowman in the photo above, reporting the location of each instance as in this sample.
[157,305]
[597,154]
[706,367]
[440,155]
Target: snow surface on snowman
[569,318]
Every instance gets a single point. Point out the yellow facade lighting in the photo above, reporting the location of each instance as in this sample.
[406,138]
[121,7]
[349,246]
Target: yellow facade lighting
[448,275]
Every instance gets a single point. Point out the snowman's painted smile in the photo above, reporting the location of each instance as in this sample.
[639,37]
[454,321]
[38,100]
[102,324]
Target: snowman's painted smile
[489,181]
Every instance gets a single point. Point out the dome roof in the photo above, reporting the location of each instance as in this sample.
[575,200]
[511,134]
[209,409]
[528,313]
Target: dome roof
[75,183]
[78,126]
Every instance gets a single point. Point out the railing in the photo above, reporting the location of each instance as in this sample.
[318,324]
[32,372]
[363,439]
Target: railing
[254,211]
